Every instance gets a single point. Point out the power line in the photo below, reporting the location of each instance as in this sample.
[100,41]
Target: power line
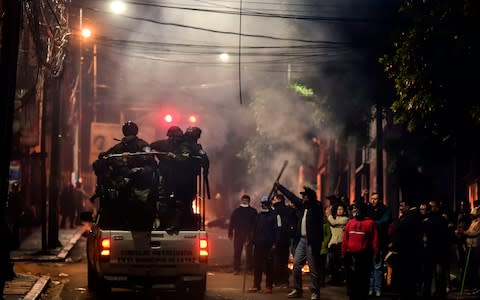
[225,32]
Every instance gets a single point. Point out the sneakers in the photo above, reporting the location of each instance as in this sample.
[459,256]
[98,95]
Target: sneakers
[370,292]
[314,296]
[253,290]
[378,293]
[295,294]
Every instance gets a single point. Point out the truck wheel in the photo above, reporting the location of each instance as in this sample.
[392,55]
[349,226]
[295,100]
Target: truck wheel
[92,277]
[104,290]
[197,291]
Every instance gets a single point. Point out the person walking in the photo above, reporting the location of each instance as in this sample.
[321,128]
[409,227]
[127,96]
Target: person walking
[240,230]
[359,246]
[67,205]
[309,238]
[265,240]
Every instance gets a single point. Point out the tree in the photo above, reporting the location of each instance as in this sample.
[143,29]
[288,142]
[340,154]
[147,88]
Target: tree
[434,67]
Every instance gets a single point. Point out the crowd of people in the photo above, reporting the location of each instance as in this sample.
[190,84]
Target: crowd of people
[423,252]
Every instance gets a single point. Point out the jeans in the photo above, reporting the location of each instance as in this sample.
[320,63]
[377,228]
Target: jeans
[304,252]
[376,276]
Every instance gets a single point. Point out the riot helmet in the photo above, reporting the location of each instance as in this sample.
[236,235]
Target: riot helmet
[193,132]
[129,128]
[174,131]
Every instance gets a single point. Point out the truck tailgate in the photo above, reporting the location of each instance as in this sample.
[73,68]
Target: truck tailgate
[155,253]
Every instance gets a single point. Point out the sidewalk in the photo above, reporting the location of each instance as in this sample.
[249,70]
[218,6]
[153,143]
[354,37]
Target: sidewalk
[29,287]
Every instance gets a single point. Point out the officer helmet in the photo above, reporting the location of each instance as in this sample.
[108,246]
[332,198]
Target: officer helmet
[129,128]
[193,132]
[174,131]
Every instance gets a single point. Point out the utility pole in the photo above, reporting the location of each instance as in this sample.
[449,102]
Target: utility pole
[8,76]
[53,240]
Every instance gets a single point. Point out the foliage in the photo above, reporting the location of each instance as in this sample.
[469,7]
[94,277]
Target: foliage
[434,66]
[303,90]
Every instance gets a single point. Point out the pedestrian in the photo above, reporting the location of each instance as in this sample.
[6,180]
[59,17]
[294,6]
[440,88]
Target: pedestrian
[382,216]
[67,206]
[472,264]
[265,240]
[324,262]
[240,229]
[337,219]
[292,217]
[309,237]
[79,197]
[282,249]
[407,246]
[14,211]
[437,241]
[359,246]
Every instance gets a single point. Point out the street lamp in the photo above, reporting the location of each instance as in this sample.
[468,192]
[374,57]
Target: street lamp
[224,57]
[117,7]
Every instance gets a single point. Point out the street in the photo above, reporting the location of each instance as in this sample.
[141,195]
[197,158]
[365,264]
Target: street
[69,278]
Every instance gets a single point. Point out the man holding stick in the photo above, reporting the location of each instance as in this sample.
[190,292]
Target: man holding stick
[308,239]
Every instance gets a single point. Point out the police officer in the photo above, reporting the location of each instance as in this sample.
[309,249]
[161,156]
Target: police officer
[192,135]
[265,239]
[133,177]
[130,141]
[173,164]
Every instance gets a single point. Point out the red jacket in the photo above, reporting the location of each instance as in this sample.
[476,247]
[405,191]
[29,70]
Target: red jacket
[359,236]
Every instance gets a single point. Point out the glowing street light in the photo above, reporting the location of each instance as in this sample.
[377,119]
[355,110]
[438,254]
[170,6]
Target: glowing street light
[118,7]
[86,33]
[224,57]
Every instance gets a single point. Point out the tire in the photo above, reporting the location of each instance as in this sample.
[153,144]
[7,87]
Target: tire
[197,291]
[92,278]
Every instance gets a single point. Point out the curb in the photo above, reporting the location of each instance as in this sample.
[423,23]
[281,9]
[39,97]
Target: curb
[51,255]
[37,288]
[63,254]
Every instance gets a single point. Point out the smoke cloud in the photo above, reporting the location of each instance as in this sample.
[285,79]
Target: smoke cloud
[164,55]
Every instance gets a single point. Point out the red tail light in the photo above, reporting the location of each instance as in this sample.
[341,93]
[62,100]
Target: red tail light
[203,248]
[105,245]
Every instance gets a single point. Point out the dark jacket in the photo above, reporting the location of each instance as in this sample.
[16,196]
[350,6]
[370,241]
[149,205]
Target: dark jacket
[242,222]
[267,231]
[314,218]
[382,217]
[438,236]
[407,238]
[285,231]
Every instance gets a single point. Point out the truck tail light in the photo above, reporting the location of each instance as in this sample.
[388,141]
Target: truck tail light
[203,243]
[105,245]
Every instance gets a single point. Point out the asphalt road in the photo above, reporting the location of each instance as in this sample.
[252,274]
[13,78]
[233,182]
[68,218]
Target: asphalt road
[69,278]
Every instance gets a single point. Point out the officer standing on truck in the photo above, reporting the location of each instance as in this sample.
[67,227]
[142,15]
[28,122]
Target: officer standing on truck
[198,161]
[173,167]
[132,177]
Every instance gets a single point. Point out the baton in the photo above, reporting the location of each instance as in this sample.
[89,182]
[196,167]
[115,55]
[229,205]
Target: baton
[278,178]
